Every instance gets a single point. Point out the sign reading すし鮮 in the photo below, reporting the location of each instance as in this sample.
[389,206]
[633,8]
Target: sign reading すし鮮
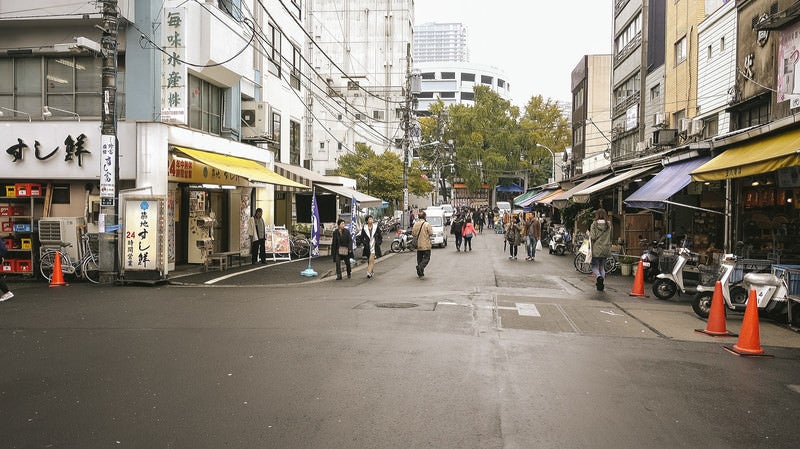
[142,233]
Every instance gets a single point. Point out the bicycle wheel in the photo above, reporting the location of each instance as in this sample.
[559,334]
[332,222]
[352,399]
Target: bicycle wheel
[301,247]
[611,265]
[90,269]
[48,261]
[581,264]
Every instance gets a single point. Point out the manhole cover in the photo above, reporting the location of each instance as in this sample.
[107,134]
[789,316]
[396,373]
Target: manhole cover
[396,305]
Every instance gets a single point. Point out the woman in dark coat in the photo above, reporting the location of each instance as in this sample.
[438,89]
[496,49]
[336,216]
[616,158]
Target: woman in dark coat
[342,245]
[371,238]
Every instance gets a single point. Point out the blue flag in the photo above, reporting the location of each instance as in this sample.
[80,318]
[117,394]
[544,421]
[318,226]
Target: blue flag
[353,218]
[315,234]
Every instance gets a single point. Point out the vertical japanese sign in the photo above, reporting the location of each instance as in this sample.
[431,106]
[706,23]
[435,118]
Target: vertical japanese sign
[314,226]
[108,187]
[141,235]
[173,70]
[353,221]
[789,66]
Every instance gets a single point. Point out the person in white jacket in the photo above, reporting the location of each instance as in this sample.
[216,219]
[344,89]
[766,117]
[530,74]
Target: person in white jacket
[256,230]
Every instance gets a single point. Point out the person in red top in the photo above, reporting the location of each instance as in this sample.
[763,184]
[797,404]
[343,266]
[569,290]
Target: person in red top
[468,232]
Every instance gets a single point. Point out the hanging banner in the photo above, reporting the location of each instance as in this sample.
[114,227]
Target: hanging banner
[108,187]
[314,226]
[353,218]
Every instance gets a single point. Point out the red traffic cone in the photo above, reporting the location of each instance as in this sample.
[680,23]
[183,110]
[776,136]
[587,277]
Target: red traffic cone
[716,317]
[749,343]
[638,281]
[57,280]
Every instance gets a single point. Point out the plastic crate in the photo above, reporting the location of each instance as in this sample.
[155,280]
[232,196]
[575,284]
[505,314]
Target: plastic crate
[11,191]
[35,189]
[17,211]
[23,266]
[5,210]
[22,227]
[23,189]
[794,277]
[26,243]
[7,226]
[8,266]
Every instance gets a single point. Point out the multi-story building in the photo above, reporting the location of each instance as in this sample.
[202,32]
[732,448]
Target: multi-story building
[454,83]
[440,42]
[716,70]
[591,121]
[165,82]
[360,64]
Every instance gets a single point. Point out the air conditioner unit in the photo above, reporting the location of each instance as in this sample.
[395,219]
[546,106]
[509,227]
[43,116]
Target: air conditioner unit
[255,120]
[696,128]
[665,136]
[685,125]
[54,230]
[660,119]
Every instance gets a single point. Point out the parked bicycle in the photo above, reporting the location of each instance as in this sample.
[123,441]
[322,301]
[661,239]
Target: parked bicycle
[85,268]
[300,245]
[583,261]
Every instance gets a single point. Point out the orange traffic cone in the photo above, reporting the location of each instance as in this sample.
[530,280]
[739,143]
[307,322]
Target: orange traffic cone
[749,343]
[638,281]
[58,276]
[716,317]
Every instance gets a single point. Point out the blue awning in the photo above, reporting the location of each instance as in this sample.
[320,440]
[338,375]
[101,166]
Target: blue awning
[666,183]
[509,188]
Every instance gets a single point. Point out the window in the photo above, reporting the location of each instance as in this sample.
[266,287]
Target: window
[274,50]
[428,76]
[276,126]
[294,78]
[61,194]
[294,142]
[577,99]
[447,95]
[708,51]
[722,44]
[468,77]
[205,105]
[755,114]
[322,145]
[655,91]
[398,113]
[577,136]
[711,126]
[352,85]
[296,7]
[448,75]
[468,96]
[627,89]
[358,116]
[64,82]
[425,95]
[378,114]
[486,80]
[339,146]
[501,82]
[630,34]
[680,50]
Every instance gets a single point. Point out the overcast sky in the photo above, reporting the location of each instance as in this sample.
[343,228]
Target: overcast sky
[536,42]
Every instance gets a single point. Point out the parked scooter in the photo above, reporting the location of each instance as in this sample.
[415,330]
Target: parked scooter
[559,241]
[683,278]
[650,259]
[771,291]
[403,241]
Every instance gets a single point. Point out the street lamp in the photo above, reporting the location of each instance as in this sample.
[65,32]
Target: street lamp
[553,155]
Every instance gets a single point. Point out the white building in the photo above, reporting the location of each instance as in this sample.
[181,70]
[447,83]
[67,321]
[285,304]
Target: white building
[716,68]
[440,42]
[454,83]
[359,66]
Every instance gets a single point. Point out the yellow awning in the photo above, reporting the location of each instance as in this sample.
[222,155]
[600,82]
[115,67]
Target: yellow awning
[246,168]
[755,158]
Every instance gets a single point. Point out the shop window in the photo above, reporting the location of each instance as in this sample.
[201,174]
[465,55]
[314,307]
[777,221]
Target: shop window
[205,105]
[61,194]
[294,142]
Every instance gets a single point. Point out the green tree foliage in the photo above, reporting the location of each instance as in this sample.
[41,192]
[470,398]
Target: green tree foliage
[381,175]
[542,122]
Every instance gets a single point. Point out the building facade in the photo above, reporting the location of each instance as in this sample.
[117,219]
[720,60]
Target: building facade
[591,118]
[440,42]
[454,83]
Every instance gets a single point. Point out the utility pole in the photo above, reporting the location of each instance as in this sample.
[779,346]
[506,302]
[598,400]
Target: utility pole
[109,165]
[406,136]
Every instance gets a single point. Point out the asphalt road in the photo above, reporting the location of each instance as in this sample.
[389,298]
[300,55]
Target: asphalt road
[484,352]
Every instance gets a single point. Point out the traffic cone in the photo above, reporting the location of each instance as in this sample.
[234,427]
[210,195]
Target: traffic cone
[58,276]
[716,317]
[749,341]
[638,281]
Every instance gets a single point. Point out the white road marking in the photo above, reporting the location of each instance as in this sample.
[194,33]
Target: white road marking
[526,309]
[610,312]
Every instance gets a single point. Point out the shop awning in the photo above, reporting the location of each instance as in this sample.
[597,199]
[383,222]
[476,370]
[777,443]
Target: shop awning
[548,198]
[252,170]
[561,200]
[754,158]
[303,176]
[583,196]
[363,199]
[529,194]
[512,188]
[533,198]
[666,183]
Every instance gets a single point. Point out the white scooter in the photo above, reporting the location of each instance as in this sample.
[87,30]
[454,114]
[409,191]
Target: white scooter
[771,291]
[682,278]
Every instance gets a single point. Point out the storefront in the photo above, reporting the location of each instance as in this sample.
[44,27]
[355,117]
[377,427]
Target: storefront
[762,178]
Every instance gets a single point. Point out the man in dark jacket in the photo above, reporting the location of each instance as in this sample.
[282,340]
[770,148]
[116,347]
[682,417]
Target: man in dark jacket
[455,229]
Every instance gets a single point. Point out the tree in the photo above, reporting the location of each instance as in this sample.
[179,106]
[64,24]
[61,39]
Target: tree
[543,123]
[381,175]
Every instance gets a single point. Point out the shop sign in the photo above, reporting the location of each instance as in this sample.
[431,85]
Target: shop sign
[173,69]
[788,65]
[108,187]
[190,171]
[74,149]
[143,232]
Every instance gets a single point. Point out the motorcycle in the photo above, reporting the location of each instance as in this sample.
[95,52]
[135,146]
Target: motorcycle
[650,259]
[683,278]
[559,241]
[403,241]
[771,291]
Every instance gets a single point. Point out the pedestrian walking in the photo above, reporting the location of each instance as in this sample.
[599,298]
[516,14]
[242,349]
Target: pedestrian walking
[7,294]
[456,229]
[600,239]
[371,237]
[533,231]
[256,230]
[513,236]
[343,243]
[469,234]
[422,233]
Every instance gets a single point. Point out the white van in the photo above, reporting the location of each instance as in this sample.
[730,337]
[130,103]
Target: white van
[505,207]
[435,216]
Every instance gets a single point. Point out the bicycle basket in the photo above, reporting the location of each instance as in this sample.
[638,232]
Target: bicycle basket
[666,263]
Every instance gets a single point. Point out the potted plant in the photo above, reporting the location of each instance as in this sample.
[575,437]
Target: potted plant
[626,264]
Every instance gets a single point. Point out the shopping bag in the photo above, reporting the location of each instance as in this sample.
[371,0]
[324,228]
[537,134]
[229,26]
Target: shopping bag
[538,245]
